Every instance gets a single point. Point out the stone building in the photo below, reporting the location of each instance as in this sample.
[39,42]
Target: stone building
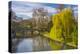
[40,18]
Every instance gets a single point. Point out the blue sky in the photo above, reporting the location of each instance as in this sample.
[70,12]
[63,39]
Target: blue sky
[25,9]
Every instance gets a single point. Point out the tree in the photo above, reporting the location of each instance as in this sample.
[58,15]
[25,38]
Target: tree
[64,27]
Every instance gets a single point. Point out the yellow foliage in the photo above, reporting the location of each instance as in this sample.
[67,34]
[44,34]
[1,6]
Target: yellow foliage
[63,26]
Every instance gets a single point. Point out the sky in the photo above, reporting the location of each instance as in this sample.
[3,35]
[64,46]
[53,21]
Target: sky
[24,9]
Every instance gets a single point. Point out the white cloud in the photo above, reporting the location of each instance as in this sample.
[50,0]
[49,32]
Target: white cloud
[50,9]
[25,14]
[19,9]
[75,8]
[27,11]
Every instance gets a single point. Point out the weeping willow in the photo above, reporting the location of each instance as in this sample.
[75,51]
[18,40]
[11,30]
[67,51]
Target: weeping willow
[64,28]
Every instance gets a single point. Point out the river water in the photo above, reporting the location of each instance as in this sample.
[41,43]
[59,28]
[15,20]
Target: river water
[37,43]
[25,45]
[33,44]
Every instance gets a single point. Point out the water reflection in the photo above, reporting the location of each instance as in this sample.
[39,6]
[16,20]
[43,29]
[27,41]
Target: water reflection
[25,45]
[38,43]
[33,44]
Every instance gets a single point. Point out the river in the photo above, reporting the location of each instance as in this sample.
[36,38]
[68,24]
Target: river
[37,43]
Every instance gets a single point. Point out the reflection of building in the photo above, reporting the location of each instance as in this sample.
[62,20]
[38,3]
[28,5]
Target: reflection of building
[40,18]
